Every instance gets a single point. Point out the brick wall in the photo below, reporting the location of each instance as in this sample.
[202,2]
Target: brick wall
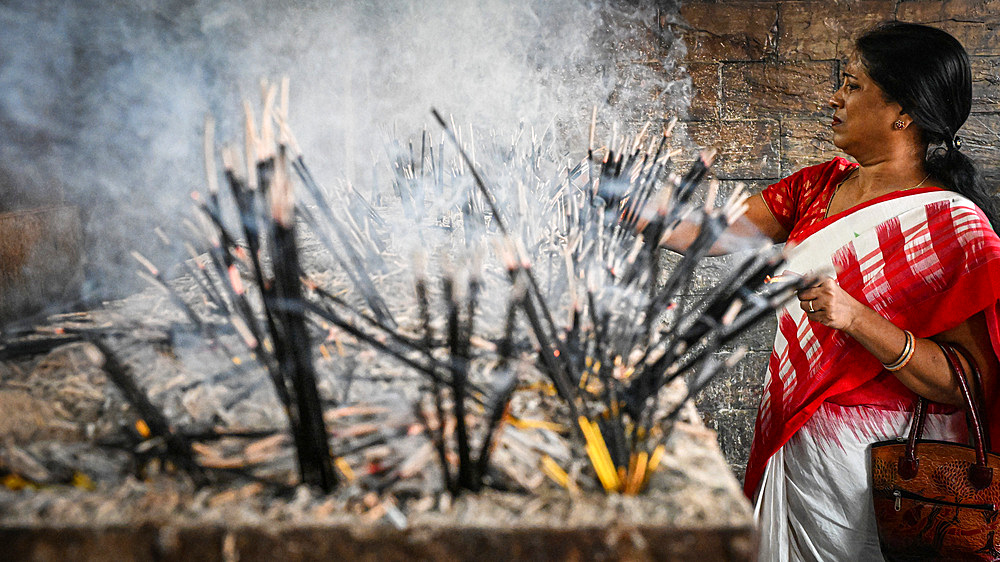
[762,74]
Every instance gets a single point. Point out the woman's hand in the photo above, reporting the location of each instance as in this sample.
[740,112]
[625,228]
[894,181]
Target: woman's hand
[827,303]
[927,373]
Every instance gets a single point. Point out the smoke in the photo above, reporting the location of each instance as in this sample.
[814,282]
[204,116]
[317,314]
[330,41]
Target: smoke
[104,101]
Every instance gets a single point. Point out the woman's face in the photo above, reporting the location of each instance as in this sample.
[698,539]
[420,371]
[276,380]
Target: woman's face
[862,118]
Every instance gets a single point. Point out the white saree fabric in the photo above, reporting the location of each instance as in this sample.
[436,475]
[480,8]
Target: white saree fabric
[814,500]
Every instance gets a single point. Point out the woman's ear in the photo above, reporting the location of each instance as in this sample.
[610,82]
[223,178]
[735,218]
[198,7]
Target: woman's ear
[902,121]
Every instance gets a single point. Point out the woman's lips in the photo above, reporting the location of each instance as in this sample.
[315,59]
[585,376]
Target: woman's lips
[835,122]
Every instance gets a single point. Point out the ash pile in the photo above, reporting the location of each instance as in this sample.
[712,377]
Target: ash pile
[485,335]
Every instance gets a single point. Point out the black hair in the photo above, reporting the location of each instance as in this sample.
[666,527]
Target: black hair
[926,71]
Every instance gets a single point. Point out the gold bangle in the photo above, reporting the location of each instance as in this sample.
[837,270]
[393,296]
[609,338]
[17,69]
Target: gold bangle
[908,348]
[906,354]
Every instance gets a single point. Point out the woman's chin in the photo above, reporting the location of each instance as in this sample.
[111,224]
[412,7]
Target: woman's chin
[838,141]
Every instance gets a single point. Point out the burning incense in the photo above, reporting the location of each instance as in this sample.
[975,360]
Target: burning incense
[478,342]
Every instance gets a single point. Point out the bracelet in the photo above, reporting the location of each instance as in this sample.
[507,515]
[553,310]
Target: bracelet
[905,356]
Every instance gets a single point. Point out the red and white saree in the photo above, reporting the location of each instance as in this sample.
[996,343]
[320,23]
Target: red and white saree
[927,260]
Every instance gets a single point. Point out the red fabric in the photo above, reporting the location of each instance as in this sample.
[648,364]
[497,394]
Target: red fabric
[802,199]
[927,278]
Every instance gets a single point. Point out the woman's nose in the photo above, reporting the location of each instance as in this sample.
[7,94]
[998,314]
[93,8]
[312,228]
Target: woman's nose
[835,101]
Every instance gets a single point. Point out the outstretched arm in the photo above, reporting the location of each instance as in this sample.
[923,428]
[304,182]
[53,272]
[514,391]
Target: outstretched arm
[757,221]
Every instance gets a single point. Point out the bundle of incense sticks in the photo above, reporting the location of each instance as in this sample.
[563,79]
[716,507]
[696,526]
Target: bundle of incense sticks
[513,274]
[278,336]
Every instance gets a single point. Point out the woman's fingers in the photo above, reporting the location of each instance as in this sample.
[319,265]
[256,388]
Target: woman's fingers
[813,298]
[823,297]
[828,304]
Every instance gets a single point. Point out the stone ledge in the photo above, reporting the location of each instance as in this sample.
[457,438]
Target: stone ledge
[306,543]
[693,508]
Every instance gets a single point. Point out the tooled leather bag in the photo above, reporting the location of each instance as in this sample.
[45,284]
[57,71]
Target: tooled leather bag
[937,500]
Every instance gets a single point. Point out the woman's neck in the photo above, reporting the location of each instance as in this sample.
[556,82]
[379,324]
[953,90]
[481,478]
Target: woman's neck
[879,176]
[875,178]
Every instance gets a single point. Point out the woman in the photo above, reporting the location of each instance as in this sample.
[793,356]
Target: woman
[911,261]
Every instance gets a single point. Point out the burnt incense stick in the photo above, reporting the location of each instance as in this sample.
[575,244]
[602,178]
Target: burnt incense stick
[436,389]
[156,278]
[434,369]
[459,362]
[503,390]
[361,276]
[294,355]
[243,317]
[178,448]
[208,284]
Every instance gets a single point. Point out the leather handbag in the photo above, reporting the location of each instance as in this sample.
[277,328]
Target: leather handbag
[937,500]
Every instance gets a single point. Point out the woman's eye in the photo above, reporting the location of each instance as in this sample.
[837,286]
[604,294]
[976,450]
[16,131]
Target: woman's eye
[851,86]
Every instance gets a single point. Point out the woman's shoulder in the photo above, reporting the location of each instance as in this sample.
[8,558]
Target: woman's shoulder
[815,178]
[835,168]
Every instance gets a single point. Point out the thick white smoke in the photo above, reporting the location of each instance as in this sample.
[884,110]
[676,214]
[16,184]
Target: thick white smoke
[104,101]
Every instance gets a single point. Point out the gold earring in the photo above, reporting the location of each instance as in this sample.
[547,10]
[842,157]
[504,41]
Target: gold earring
[899,124]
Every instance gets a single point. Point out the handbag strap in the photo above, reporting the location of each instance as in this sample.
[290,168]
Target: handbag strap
[908,463]
[977,394]
[980,475]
